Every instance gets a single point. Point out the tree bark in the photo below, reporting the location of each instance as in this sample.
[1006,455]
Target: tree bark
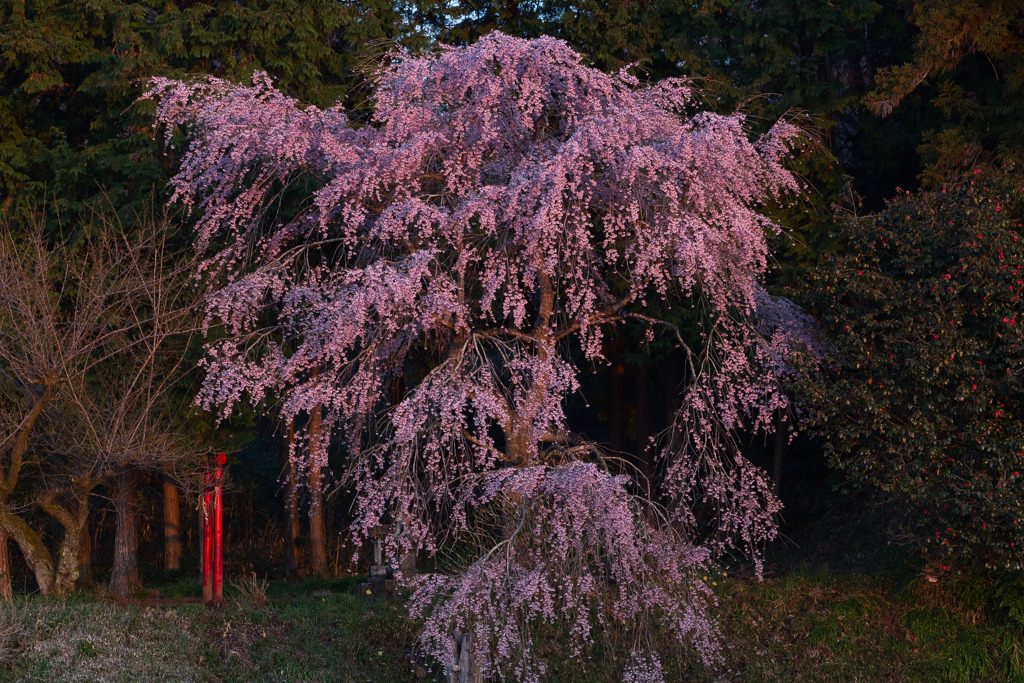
[520,438]
[172,526]
[780,452]
[72,519]
[616,396]
[5,568]
[292,530]
[317,525]
[36,555]
[85,553]
[644,419]
[19,445]
[125,575]
[67,561]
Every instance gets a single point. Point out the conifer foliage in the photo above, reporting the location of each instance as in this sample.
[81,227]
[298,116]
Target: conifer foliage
[505,205]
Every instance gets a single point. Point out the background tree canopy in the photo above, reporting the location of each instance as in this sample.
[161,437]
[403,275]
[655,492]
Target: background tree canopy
[71,133]
[72,136]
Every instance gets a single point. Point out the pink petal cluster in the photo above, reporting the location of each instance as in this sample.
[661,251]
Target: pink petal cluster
[503,199]
[576,551]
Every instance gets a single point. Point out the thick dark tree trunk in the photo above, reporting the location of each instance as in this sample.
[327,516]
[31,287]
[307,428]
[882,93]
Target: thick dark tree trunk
[66,576]
[617,395]
[780,451]
[5,568]
[125,575]
[292,530]
[36,555]
[644,419]
[317,525]
[84,552]
[172,526]
[317,529]
[35,552]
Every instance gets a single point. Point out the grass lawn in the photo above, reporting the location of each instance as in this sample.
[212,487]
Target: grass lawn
[312,632]
[806,625]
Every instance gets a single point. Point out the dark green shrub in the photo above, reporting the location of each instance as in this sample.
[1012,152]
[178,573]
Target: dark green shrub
[925,395]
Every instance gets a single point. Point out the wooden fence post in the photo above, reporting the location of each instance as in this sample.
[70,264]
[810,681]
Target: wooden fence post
[465,668]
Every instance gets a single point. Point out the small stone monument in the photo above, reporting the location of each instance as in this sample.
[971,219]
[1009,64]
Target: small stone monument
[382,581]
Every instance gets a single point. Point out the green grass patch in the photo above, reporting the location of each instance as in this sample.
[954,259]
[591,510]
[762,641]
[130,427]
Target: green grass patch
[313,632]
[808,625]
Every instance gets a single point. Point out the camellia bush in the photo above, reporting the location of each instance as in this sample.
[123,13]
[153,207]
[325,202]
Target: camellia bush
[503,207]
[925,396]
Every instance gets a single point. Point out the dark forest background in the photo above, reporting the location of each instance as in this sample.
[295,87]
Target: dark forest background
[917,112]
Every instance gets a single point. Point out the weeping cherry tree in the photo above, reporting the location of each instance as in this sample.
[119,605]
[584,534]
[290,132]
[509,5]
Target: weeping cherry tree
[503,207]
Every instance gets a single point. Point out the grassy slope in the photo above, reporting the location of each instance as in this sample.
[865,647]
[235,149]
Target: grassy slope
[841,605]
[805,626]
[320,632]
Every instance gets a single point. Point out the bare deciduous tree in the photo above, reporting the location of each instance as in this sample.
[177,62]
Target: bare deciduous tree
[92,343]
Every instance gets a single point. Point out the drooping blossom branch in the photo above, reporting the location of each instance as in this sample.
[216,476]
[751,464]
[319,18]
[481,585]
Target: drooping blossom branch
[504,201]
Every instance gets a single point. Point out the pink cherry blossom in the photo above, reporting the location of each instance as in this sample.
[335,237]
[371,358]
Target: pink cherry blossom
[503,200]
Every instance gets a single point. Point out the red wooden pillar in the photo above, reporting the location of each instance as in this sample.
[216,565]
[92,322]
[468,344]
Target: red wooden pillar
[218,529]
[207,510]
[213,533]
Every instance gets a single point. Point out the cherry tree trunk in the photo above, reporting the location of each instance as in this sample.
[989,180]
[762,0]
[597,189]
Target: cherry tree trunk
[292,529]
[317,525]
[33,549]
[644,427]
[317,535]
[66,576]
[172,527]
[780,451]
[617,396]
[5,568]
[465,668]
[125,575]
[74,519]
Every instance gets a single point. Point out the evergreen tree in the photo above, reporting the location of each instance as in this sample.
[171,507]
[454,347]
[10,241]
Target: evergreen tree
[71,132]
[971,54]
